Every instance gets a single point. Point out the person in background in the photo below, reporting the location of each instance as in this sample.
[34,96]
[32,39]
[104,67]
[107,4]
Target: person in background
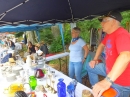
[44,48]
[2,42]
[76,57]
[14,39]
[31,48]
[6,58]
[38,51]
[117,67]
[10,44]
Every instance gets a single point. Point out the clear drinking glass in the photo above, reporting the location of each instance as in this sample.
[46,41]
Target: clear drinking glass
[53,82]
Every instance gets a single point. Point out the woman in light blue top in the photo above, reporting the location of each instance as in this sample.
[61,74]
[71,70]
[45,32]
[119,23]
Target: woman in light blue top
[77,56]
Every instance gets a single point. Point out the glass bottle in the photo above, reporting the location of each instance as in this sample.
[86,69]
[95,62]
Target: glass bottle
[61,88]
[32,82]
[71,90]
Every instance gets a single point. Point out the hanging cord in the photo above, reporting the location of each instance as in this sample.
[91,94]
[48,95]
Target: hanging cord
[3,14]
[71,11]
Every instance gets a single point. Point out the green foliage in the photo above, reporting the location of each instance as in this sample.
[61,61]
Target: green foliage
[67,27]
[46,35]
[54,61]
[18,34]
[86,26]
[56,45]
[67,33]
[126,18]
[67,38]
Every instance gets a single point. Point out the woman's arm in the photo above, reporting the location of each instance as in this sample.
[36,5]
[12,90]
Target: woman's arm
[86,50]
[40,52]
[29,49]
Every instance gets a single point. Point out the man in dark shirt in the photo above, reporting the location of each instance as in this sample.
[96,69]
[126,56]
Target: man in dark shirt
[44,48]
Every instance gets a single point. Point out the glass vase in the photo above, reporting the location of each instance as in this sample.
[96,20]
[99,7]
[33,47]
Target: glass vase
[61,88]
[32,82]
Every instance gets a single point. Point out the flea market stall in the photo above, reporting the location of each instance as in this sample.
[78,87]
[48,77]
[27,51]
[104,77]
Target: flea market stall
[27,12]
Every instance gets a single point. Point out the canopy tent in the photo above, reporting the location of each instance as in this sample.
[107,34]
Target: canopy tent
[22,28]
[33,27]
[16,12]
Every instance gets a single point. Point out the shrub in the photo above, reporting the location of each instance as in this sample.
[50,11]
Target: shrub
[56,45]
[18,34]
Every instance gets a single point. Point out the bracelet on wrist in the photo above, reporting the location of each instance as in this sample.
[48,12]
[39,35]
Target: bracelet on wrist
[109,80]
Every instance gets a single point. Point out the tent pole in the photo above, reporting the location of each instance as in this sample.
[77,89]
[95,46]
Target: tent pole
[71,11]
[38,35]
[62,35]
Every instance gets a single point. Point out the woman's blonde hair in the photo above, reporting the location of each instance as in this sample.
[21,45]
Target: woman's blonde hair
[37,45]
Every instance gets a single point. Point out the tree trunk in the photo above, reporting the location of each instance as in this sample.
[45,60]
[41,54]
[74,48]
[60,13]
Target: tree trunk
[55,31]
[128,26]
[31,36]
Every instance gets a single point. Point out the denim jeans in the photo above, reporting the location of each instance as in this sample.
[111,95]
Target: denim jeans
[75,69]
[100,69]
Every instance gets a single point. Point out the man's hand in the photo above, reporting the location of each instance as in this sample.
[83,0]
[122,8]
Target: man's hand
[93,63]
[100,87]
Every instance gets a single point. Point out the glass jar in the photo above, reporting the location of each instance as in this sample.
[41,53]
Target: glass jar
[61,88]
[32,82]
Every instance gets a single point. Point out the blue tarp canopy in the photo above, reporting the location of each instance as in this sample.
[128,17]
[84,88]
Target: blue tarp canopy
[33,27]
[22,27]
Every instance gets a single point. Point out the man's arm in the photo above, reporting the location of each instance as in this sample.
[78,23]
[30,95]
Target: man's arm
[97,55]
[118,68]
[120,65]
[99,51]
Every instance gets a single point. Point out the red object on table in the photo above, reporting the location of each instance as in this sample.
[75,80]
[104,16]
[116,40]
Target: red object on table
[48,55]
[39,73]
[44,95]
